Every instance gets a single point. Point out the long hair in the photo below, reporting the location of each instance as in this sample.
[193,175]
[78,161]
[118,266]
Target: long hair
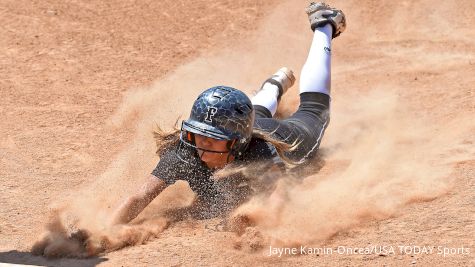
[281,147]
[166,140]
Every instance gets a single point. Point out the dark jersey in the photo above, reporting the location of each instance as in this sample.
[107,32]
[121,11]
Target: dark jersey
[171,168]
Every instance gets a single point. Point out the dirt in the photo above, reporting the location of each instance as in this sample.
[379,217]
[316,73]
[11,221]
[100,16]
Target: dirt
[83,84]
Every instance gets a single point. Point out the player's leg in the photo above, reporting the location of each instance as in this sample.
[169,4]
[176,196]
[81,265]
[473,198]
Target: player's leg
[312,116]
[267,98]
[304,129]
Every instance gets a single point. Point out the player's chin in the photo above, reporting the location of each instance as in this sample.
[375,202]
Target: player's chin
[206,157]
[209,160]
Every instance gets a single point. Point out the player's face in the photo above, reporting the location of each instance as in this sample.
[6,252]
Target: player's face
[212,159]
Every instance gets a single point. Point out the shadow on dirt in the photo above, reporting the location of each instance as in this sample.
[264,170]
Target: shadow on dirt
[19,257]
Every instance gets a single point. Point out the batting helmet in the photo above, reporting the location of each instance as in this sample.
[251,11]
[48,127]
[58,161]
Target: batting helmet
[222,113]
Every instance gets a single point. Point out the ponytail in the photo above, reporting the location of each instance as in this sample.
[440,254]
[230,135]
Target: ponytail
[281,147]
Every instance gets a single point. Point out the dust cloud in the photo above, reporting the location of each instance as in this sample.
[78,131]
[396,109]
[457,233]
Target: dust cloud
[378,156]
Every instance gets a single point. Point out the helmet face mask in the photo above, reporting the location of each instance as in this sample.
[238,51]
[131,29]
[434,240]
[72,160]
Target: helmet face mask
[188,139]
[221,113]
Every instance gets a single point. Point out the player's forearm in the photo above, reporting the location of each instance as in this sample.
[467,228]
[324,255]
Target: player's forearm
[135,204]
[130,209]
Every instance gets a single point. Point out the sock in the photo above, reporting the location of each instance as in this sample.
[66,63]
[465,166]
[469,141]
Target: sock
[315,75]
[267,97]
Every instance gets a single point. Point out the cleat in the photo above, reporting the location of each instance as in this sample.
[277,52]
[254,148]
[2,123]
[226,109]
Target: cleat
[320,14]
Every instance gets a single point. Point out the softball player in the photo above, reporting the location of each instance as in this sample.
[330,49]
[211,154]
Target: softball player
[226,128]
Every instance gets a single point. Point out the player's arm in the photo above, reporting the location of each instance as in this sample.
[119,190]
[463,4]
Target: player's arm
[137,202]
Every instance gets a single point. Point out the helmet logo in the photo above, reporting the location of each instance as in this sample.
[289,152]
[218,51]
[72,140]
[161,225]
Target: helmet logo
[210,114]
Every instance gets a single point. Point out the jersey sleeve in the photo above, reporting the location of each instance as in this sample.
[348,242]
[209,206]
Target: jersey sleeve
[168,168]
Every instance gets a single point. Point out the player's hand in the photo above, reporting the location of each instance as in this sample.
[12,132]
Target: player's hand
[63,244]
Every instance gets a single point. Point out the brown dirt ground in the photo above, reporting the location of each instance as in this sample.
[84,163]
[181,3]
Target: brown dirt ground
[65,65]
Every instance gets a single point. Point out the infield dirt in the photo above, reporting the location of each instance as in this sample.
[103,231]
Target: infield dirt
[84,84]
